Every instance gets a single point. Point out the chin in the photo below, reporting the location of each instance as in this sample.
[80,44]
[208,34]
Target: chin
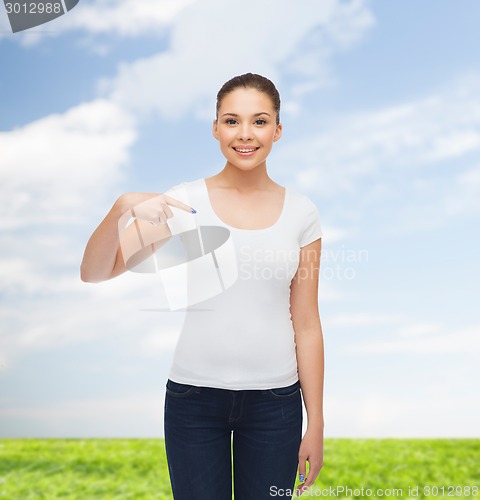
[245,168]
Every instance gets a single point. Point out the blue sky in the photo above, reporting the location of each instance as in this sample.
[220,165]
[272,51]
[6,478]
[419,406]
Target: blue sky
[381,116]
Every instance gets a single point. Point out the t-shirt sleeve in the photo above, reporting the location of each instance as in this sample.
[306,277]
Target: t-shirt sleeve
[312,229]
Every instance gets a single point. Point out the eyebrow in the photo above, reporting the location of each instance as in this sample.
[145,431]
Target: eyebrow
[256,114]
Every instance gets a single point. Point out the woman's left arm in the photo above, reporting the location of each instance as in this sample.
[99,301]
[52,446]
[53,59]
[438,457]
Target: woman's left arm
[310,357]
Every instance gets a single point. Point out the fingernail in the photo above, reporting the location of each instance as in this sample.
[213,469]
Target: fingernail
[194,211]
[301,477]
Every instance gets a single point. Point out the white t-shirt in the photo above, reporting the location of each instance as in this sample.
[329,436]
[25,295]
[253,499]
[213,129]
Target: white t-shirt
[243,338]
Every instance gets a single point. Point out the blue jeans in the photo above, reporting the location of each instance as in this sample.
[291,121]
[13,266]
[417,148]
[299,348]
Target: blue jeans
[267,432]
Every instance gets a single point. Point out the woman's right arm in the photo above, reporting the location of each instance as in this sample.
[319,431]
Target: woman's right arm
[103,258]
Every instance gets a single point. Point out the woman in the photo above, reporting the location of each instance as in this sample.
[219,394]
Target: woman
[241,359]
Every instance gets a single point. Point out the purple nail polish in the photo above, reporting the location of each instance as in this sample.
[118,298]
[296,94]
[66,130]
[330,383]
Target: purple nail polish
[194,211]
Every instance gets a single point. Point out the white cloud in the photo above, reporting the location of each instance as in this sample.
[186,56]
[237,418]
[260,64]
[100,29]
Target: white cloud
[54,174]
[24,277]
[50,167]
[139,415]
[326,291]
[349,22]
[424,338]
[125,18]
[400,138]
[464,196]
[364,319]
[73,312]
[187,76]
[423,414]
[419,329]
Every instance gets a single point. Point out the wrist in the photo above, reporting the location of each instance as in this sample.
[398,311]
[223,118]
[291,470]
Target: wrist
[316,425]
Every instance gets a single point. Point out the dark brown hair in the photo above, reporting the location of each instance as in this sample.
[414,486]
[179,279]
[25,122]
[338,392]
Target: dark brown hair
[252,81]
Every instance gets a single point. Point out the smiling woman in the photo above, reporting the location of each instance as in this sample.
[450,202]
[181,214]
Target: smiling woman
[245,126]
[244,362]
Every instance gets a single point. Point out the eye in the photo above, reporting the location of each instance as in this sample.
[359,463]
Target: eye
[260,121]
[230,121]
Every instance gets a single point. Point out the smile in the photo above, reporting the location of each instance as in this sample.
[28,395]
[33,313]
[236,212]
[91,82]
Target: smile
[245,150]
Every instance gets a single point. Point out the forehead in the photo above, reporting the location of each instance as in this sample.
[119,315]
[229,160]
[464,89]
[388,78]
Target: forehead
[246,101]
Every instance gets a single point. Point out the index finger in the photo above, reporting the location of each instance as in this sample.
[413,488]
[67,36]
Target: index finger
[179,204]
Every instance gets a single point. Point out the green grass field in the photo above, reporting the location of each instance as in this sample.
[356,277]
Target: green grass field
[83,469]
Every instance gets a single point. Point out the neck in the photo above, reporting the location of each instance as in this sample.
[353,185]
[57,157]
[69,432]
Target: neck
[243,180]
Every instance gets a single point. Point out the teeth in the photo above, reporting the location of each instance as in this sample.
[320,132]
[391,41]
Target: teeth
[244,150]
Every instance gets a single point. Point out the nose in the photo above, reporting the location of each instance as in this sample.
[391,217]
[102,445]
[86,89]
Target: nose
[245,132]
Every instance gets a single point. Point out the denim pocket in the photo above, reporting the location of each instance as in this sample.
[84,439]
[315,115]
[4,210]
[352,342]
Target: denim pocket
[179,390]
[286,392]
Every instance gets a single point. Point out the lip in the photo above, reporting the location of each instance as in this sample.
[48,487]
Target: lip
[253,149]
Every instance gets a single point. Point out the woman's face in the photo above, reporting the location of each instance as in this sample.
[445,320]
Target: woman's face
[246,127]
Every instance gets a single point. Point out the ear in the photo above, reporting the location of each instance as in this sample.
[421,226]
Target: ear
[215,129]
[278,133]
